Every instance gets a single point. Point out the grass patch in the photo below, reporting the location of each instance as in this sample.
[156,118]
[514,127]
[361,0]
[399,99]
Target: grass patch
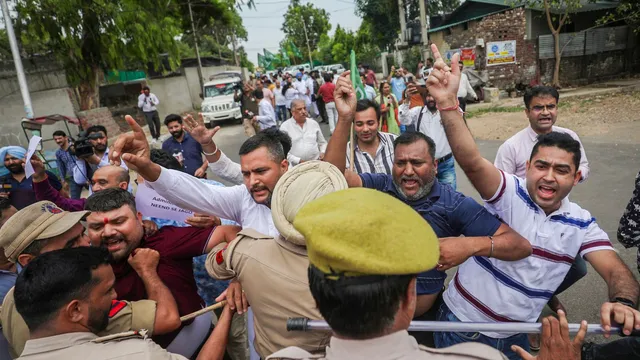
[496,109]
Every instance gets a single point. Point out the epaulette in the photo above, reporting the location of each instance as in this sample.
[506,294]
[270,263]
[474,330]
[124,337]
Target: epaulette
[141,334]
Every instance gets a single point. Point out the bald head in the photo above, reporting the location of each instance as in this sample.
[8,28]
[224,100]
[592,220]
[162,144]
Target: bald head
[108,177]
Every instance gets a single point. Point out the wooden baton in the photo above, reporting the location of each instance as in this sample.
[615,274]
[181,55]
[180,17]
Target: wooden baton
[204,310]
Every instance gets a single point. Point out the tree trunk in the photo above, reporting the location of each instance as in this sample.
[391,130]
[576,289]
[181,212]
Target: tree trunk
[556,71]
[88,91]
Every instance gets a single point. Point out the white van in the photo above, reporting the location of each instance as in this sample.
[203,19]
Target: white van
[217,103]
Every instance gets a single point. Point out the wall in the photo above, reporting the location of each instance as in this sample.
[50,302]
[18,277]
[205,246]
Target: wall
[508,25]
[581,70]
[173,93]
[100,116]
[48,102]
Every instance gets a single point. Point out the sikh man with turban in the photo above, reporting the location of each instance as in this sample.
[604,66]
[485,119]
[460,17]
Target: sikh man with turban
[15,184]
[273,270]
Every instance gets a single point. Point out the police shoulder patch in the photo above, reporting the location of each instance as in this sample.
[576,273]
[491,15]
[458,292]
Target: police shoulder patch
[116,307]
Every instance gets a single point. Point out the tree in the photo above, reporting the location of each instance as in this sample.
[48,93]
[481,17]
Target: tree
[89,36]
[627,11]
[558,14]
[385,15]
[299,18]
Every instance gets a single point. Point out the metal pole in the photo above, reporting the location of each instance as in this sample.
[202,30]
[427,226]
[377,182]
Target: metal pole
[233,45]
[403,22]
[22,80]
[304,27]
[302,324]
[423,27]
[195,41]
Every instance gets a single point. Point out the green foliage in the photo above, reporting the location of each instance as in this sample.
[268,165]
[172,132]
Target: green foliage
[300,17]
[385,15]
[627,11]
[412,58]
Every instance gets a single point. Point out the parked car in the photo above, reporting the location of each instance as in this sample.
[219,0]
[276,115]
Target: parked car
[336,68]
[217,104]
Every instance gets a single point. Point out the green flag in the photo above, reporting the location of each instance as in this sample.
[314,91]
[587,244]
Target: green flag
[355,78]
[285,57]
[268,55]
[261,61]
[296,52]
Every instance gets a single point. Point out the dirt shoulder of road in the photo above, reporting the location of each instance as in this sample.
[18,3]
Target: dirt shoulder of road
[606,117]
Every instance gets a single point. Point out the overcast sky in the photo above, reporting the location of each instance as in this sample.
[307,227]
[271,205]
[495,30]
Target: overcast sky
[263,24]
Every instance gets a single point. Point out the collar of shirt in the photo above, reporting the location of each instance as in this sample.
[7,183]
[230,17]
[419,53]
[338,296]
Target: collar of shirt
[385,347]
[57,342]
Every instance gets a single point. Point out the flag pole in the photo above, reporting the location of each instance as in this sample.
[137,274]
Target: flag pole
[352,150]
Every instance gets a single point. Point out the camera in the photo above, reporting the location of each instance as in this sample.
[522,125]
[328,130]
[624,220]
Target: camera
[82,147]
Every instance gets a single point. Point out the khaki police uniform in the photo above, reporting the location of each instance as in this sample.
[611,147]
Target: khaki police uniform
[124,316]
[83,346]
[397,346]
[273,274]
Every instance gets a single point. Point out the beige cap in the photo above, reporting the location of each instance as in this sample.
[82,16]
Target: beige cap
[38,221]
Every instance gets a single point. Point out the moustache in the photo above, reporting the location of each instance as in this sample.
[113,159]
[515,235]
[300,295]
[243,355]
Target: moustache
[411,178]
[105,240]
[257,188]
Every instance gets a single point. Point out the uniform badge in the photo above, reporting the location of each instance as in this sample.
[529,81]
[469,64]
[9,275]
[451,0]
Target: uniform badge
[116,307]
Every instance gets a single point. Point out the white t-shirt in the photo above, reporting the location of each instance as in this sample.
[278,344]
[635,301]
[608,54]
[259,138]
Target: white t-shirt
[492,290]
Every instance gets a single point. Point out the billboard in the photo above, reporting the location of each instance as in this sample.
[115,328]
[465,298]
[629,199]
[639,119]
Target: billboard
[501,52]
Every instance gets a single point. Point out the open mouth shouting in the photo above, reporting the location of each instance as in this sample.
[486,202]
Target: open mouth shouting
[546,192]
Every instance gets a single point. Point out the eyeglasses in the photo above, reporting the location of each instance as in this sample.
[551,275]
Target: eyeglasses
[540,108]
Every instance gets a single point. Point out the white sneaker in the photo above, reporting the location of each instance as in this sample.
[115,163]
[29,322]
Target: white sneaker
[153,141]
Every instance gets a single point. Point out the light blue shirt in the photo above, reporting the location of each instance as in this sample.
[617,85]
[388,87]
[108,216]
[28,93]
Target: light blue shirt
[398,85]
[370,91]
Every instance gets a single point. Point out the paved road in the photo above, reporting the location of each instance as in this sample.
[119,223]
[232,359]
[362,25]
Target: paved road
[605,194]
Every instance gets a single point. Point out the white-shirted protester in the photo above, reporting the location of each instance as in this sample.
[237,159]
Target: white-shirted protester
[491,290]
[428,123]
[307,141]
[267,115]
[513,154]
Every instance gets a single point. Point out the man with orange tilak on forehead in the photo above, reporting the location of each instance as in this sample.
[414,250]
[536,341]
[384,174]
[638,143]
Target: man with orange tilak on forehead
[537,207]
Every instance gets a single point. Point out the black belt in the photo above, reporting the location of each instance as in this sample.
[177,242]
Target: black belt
[445,158]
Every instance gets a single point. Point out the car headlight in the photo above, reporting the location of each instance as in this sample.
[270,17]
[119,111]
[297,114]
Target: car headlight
[235,105]
[206,108]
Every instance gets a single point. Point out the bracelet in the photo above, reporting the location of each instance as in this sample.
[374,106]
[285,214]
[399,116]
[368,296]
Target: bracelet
[624,301]
[210,154]
[491,251]
[455,107]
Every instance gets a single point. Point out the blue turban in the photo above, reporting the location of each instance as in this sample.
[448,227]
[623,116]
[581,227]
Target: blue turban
[15,151]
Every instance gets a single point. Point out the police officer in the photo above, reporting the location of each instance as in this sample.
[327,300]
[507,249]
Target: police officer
[273,273]
[43,227]
[362,276]
[65,297]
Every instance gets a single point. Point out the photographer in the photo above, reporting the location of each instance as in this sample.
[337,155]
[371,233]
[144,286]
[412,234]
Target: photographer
[87,162]
[147,102]
[248,106]
[15,185]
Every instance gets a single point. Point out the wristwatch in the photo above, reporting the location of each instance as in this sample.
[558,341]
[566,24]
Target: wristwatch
[624,301]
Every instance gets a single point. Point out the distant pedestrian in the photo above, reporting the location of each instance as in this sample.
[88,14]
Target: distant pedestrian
[66,163]
[465,89]
[326,93]
[147,102]
[266,117]
[281,103]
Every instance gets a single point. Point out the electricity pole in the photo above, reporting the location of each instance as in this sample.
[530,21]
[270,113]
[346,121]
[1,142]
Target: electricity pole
[304,27]
[22,80]
[233,45]
[195,41]
[423,26]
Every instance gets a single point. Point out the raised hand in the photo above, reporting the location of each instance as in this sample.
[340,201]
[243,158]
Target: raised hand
[345,97]
[198,130]
[134,143]
[443,81]
[38,167]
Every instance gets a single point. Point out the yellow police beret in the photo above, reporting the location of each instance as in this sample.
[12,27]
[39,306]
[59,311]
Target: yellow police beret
[357,232]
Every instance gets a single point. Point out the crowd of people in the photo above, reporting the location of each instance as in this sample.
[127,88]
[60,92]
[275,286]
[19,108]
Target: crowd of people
[361,239]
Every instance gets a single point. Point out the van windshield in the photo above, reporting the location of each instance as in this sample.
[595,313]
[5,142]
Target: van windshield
[219,90]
